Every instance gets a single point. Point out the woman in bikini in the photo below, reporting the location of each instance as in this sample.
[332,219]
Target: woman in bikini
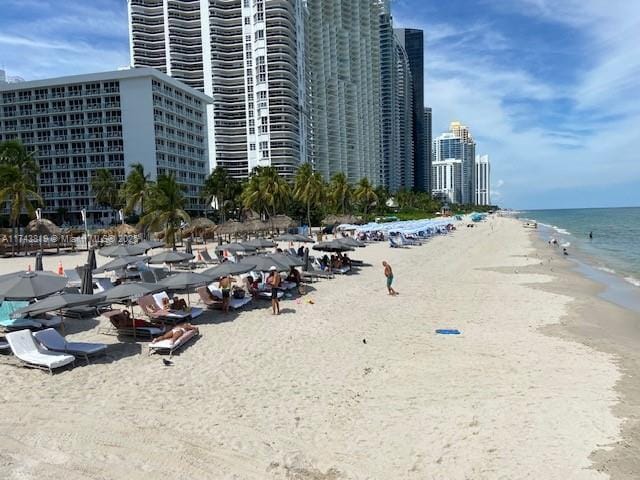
[175,333]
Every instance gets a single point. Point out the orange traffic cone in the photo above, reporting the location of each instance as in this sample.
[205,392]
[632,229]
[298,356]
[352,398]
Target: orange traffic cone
[60,269]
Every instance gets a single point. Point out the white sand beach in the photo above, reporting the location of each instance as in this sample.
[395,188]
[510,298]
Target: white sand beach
[302,396]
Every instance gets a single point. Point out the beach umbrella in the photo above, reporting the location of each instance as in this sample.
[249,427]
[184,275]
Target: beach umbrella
[260,243]
[30,285]
[121,251]
[332,246]
[39,267]
[42,227]
[288,260]
[91,258]
[86,282]
[127,293]
[149,244]
[185,281]
[303,238]
[188,245]
[120,263]
[288,237]
[171,257]
[228,268]
[263,263]
[58,302]
[351,242]
[236,248]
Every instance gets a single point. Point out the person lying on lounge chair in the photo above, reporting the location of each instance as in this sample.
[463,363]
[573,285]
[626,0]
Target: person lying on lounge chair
[176,304]
[175,333]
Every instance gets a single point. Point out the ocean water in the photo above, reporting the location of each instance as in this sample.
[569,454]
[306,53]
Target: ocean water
[615,246]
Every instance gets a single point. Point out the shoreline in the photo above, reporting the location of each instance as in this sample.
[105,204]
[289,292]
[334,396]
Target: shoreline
[606,326]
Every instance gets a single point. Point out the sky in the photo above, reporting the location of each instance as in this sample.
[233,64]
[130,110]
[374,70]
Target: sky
[548,88]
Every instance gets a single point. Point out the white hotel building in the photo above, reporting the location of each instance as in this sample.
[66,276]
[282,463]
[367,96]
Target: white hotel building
[79,124]
[483,180]
[249,56]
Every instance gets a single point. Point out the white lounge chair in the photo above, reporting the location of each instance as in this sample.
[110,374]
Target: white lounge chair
[25,348]
[168,346]
[159,298]
[102,284]
[234,303]
[55,342]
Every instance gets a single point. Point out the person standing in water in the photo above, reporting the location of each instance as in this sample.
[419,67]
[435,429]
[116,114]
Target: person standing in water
[388,272]
[590,235]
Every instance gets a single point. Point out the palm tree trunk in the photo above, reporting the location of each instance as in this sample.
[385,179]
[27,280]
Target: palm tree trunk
[13,238]
[309,215]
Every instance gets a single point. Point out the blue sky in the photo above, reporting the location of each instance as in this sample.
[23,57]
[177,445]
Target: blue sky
[547,87]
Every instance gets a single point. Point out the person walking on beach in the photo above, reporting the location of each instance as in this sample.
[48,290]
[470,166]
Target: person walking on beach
[274,280]
[388,272]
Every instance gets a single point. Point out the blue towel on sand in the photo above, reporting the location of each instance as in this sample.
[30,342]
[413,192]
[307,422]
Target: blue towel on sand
[447,331]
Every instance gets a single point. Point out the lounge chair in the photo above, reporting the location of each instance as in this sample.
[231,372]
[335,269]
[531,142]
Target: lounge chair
[9,323]
[123,324]
[208,298]
[159,273]
[101,284]
[234,303]
[55,342]
[25,348]
[161,299]
[206,258]
[73,278]
[168,346]
[147,276]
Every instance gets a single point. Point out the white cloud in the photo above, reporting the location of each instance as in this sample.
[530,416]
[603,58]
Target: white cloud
[477,86]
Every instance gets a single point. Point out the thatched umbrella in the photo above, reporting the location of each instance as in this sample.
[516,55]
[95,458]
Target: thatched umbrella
[123,229]
[198,225]
[231,227]
[42,227]
[255,225]
[282,222]
[210,232]
[73,232]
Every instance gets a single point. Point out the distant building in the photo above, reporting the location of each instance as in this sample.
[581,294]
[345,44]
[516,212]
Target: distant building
[249,56]
[458,144]
[413,42]
[79,124]
[428,141]
[397,110]
[483,180]
[447,180]
[344,68]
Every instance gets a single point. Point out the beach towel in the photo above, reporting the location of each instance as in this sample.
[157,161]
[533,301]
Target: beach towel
[448,331]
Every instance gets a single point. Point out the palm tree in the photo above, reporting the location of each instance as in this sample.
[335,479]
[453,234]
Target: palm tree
[266,191]
[18,190]
[221,186]
[308,188]
[18,181]
[105,189]
[365,194]
[165,208]
[340,192]
[135,189]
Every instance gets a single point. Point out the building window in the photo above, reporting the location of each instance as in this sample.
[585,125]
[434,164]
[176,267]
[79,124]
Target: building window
[252,146]
[247,21]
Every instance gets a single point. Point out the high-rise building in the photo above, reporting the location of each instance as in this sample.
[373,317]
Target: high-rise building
[456,144]
[447,180]
[249,55]
[397,110]
[428,141]
[483,180]
[80,124]
[345,73]
[413,42]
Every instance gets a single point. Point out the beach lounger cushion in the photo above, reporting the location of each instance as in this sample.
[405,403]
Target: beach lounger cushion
[26,349]
[169,345]
[53,341]
[234,303]
[159,298]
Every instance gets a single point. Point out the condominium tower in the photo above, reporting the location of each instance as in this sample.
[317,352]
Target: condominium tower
[483,180]
[77,125]
[249,56]
[397,110]
[345,73]
[413,42]
[428,141]
[456,145]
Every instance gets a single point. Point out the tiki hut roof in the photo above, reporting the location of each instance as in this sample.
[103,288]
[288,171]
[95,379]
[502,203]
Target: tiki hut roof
[231,227]
[44,227]
[282,222]
[198,225]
